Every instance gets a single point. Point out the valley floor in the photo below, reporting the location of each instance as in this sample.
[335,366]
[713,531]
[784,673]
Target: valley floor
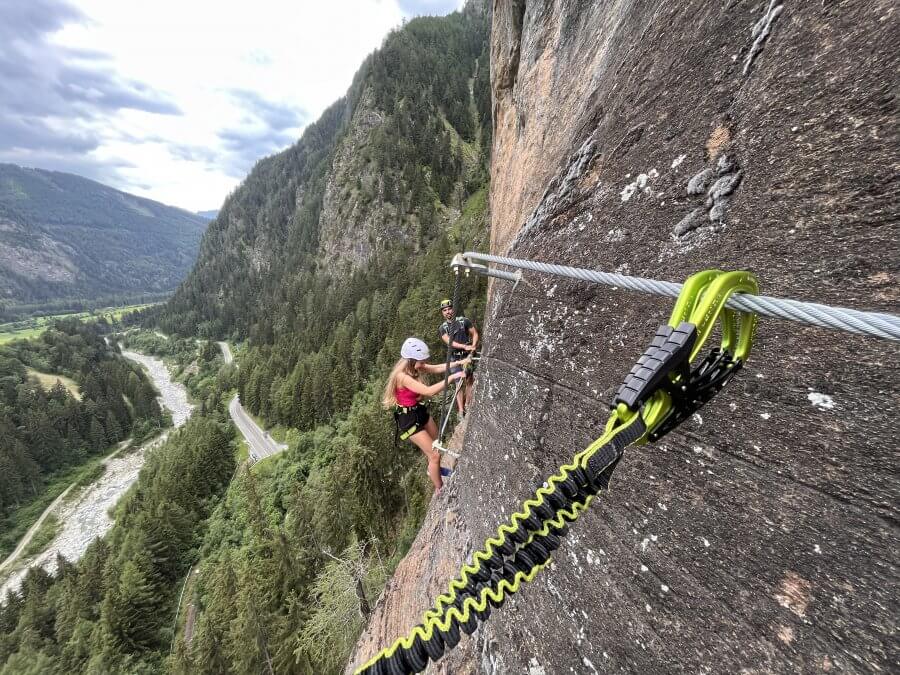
[86,516]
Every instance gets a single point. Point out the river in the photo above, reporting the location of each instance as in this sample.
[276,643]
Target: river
[86,518]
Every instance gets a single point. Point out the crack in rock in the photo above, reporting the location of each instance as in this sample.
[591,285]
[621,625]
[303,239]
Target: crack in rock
[761,31]
[560,191]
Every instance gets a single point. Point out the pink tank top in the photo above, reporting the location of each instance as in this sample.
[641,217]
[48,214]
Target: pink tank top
[406,397]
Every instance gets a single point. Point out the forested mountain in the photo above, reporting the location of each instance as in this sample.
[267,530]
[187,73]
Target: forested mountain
[63,237]
[320,264]
[378,177]
[45,430]
[324,260]
[312,256]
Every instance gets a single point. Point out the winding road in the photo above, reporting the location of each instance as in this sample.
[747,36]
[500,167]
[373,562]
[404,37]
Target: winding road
[226,352]
[261,443]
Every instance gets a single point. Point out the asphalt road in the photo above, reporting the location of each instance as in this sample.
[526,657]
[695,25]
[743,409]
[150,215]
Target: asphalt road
[261,444]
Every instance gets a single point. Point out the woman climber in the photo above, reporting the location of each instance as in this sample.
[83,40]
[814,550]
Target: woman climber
[404,392]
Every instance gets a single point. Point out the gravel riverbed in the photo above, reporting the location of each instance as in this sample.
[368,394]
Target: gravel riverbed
[86,517]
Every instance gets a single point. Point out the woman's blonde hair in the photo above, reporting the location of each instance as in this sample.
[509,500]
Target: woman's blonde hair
[405,366]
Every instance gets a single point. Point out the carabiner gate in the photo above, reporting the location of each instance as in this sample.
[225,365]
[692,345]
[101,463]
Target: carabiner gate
[663,385]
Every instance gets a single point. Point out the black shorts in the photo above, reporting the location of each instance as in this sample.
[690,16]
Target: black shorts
[411,422]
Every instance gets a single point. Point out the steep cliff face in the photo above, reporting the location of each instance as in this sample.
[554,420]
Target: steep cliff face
[343,201]
[658,139]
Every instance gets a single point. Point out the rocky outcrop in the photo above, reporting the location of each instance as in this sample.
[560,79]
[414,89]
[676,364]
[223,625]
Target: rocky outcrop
[658,139]
[45,260]
[66,238]
[353,195]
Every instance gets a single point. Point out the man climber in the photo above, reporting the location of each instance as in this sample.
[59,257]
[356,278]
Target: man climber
[460,334]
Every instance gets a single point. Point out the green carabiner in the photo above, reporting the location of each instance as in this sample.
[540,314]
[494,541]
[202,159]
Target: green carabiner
[664,385]
[738,328]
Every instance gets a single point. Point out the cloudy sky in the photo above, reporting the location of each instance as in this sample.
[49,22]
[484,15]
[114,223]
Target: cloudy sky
[175,100]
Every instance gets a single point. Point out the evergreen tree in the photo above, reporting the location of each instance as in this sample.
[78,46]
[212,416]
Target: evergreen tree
[130,612]
[248,641]
[97,436]
[113,430]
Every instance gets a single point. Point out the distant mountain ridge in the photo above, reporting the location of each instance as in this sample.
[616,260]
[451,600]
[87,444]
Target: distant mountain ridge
[64,237]
[209,215]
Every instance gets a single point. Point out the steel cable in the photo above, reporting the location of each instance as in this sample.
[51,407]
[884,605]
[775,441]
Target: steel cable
[838,318]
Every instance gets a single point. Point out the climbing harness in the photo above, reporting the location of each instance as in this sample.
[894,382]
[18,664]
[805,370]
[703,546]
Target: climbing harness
[408,420]
[661,390]
[456,331]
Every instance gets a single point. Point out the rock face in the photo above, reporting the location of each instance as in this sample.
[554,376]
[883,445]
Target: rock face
[342,202]
[433,560]
[657,139]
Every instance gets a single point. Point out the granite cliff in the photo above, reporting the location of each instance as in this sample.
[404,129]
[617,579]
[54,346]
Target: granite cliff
[657,139]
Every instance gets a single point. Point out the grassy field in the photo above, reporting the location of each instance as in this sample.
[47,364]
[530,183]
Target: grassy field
[29,328]
[45,534]
[48,381]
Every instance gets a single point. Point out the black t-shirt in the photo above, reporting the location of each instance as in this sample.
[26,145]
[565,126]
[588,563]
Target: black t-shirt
[458,330]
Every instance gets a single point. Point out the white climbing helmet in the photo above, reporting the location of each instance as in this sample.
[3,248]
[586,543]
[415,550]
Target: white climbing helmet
[414,348]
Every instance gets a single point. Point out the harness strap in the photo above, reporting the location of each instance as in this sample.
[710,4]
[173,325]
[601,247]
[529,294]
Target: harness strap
[405,410]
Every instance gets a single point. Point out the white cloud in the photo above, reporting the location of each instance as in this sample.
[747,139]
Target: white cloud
[223,81]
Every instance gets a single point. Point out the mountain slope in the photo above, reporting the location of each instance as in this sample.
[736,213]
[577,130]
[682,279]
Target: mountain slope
[66,237]
[322,262]
[384,168]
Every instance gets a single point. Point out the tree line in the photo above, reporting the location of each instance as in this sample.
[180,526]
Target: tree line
[112,611]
